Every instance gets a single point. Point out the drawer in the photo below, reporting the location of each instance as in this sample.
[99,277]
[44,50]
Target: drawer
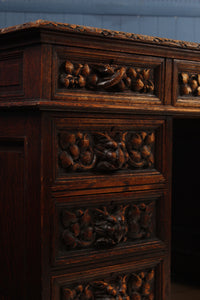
[131,281]
[107,227]
[186,83]
[104,77]
[105,152]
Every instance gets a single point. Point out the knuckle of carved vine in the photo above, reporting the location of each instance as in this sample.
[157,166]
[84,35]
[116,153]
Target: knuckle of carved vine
[189,84]
[101,151]
[106,227]
[132,286]
[106,77]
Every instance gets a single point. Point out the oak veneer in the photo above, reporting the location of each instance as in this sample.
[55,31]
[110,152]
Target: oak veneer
[86,164]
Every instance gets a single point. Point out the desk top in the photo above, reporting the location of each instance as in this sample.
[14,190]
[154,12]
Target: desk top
[68,28]
[72,67]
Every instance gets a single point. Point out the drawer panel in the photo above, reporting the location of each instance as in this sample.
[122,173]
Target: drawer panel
[107,226]
[104,77]
[108,152]
[133,281]
[186,83]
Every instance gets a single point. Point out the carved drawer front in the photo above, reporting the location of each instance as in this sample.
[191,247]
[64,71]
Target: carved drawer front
[186,83]
[103,77]
[107,151]
[127,282]
[102,227]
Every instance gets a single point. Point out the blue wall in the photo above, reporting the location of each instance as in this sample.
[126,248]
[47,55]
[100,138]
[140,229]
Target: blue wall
[176,19]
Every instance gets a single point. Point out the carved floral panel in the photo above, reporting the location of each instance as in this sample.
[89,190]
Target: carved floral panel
[189,84]
[106,77]
[132,286]
[108,226]
[82,151]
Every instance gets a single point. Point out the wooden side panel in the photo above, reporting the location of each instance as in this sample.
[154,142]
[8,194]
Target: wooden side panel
[11,74]
[12,233]
[20,249]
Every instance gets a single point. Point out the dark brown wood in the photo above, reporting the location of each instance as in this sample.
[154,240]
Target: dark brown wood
[86,160]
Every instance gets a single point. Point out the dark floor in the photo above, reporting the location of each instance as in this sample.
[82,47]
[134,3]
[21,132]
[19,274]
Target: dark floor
[185,292]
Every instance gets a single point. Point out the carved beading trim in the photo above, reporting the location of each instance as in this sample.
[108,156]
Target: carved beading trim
[102,32]
[109,78]
[104,227]
[134,286]
[81,151]
[189,84]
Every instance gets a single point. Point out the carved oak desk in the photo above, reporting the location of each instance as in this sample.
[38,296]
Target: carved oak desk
[86,160]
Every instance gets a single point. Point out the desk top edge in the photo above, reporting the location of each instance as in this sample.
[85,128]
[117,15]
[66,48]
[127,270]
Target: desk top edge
[79,29]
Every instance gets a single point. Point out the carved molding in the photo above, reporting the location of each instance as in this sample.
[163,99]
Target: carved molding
[110,78]
[189,84]
[133,286]
[102,32]
[104,227]
[81,151]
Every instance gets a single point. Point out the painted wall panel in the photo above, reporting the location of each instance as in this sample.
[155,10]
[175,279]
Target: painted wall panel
[185,28]
[167,27]
[130,24]
[176,19]
[149,25]
[92,20]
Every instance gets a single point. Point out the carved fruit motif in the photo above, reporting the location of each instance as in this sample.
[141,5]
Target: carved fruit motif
[132,286]
[106,226]
[106,77]
[140,149]
[77,152]
[189,84]
[106,152]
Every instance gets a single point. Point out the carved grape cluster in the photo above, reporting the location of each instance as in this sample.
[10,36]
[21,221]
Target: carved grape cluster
[189,84]
[133,286]
[103,151]
[106,77]
[106,227]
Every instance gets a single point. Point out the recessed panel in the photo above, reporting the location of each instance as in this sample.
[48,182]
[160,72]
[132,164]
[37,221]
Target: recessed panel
[96,225]
[103,77]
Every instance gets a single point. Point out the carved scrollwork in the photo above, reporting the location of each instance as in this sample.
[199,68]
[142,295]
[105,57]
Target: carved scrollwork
[104,151]
[106,227]
[132,286]
[106,77]
[189,84]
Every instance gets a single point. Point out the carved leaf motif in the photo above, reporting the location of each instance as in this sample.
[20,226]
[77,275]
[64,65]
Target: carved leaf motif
[106,77]
[132,286]
[106,226]
[105,152]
